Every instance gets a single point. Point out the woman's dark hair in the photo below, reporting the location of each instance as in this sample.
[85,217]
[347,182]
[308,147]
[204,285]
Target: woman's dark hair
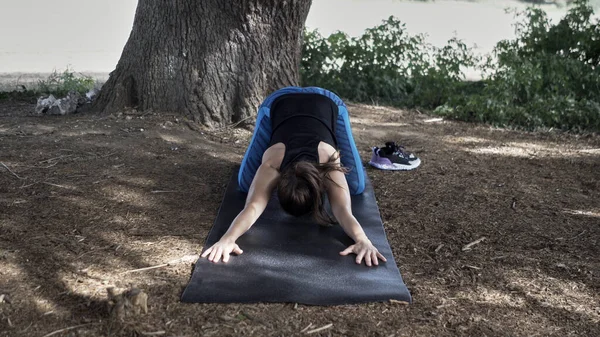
[302,186]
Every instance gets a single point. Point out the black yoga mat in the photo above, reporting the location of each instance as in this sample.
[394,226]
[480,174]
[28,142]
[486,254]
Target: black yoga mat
[289,259]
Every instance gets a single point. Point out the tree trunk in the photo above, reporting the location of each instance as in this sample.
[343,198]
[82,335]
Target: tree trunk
[212,60]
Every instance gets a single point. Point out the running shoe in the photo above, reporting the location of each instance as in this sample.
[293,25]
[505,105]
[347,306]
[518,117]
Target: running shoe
[386,158]
[400,149]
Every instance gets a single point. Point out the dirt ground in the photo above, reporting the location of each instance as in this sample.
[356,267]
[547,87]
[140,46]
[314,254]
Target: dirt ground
[86,200]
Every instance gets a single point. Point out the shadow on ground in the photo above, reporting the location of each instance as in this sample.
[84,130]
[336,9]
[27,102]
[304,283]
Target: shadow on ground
[88,199]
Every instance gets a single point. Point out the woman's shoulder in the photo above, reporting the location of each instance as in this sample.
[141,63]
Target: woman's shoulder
[326,151]
[273,156]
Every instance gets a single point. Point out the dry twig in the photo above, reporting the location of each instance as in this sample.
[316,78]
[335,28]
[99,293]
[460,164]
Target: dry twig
[55,158]
[56,185]
[27,328]
[239,122]
[233,125]
[320,329]
[9,170]
[471,244]
[398,302]
[307,327]
[108,155]
[67,329]
[472,267]
[190,258]
[444,305]
[29,185]
[578,235]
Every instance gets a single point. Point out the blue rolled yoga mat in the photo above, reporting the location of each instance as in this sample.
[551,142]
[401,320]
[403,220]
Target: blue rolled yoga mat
[289,259]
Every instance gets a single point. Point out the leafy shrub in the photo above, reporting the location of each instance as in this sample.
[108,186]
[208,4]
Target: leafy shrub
[60,84]
[385,65]
[548,76]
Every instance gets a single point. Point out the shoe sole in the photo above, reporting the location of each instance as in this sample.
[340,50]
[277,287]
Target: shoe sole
[397,167]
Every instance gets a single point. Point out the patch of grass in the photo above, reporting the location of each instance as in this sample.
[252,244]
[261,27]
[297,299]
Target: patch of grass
[28,87]
[26,96]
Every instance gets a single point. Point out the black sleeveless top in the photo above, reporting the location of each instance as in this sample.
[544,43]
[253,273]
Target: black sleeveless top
[301,122]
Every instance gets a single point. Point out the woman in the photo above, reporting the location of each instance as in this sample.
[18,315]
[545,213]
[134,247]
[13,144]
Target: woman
[302,163]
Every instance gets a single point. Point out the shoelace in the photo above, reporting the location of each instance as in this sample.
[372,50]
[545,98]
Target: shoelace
[399,150]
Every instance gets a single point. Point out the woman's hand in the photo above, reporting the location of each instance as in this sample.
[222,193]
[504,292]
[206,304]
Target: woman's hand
[364,249]
[222,249]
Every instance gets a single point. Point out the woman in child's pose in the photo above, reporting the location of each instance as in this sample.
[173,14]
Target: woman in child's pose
[302,163]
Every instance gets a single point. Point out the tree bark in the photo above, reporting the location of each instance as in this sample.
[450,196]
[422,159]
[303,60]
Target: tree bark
[212,60]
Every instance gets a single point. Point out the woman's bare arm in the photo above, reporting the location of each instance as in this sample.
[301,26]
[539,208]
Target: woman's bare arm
[339,198]
[259,193]
[258,196]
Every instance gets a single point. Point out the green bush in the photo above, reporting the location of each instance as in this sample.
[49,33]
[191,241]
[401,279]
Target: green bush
[547,77]
[60,84]
[384,65]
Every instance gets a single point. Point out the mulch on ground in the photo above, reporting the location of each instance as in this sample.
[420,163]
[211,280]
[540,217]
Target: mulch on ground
[496,234]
